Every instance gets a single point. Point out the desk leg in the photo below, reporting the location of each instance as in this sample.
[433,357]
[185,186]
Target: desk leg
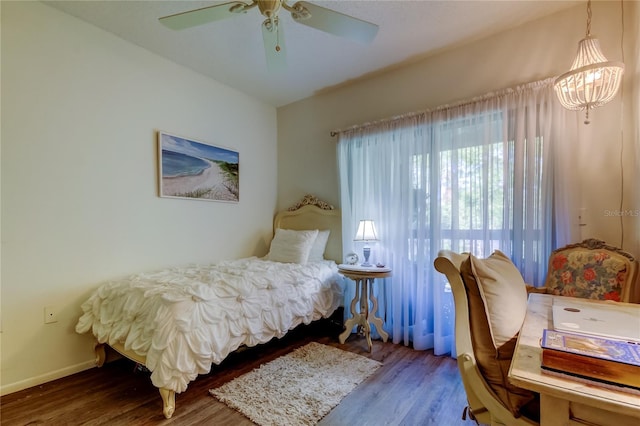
[554,411]
[377,322]
[355,317]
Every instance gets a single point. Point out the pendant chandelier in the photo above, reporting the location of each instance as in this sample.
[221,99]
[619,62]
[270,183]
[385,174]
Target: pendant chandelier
[593,80]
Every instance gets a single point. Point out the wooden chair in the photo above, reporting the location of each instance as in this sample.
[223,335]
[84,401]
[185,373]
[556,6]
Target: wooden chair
[484,405]
[593,270]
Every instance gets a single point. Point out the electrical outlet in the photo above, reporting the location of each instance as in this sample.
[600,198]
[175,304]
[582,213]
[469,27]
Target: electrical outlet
[50,314]
[582,216]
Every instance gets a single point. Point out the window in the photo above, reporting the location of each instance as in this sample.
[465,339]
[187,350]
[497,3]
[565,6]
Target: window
[474,177]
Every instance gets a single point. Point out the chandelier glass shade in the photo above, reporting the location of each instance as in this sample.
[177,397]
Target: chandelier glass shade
[592,80]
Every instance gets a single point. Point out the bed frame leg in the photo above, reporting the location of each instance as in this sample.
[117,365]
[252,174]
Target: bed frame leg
[168,402]
[101,354]
[168,396]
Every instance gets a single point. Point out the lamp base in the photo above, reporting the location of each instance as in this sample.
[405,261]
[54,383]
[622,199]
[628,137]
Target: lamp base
[367,252]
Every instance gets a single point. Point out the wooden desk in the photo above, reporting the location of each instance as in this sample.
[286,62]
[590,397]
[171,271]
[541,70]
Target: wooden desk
[364,277]
[563,401]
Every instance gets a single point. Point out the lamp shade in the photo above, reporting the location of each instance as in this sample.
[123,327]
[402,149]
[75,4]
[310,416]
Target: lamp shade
[366,231]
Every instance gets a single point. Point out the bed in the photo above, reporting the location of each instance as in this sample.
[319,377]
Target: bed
[179,321]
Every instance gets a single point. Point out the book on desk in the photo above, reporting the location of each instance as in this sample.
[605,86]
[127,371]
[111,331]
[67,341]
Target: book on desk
[601,360]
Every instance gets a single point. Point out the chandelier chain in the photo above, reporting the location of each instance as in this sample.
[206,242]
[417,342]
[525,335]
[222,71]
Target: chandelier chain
[588,18]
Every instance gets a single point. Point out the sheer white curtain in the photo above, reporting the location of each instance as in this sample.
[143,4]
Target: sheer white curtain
[476,176]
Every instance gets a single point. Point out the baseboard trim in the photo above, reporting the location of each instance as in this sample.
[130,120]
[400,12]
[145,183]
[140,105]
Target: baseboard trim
[47,377]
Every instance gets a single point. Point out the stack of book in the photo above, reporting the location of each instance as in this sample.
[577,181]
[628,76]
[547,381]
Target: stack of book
[596,360]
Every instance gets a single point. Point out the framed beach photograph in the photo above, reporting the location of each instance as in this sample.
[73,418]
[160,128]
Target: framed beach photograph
[196,170]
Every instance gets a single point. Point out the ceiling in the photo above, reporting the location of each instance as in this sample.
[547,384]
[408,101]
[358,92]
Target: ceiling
[231,51]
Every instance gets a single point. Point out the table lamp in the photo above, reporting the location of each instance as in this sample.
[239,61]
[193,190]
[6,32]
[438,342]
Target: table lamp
[366,232]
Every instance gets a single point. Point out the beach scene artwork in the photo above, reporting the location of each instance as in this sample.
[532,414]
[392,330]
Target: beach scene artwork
[196,170]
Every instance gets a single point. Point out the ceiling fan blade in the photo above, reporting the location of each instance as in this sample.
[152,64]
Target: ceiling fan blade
[196,17]
[333,22]
[273,38]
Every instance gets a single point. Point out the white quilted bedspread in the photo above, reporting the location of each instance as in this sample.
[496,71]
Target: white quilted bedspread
[184,319]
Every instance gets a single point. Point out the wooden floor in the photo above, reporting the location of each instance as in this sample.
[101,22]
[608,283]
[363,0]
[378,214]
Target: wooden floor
[412,388]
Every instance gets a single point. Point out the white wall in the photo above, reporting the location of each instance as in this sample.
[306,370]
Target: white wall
[540,49]
[633,129]
[80,110]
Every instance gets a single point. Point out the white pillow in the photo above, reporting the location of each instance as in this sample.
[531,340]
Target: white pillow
[317,249]
[289,246]
[504,294]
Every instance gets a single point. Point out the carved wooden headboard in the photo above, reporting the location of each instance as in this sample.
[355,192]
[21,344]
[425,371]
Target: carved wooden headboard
[311,213]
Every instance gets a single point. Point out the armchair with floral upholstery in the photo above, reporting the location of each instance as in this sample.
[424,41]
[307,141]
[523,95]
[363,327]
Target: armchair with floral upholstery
[593,270]
[490,299]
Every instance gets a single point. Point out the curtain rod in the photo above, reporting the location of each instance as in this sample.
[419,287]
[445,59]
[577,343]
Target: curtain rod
[465,102]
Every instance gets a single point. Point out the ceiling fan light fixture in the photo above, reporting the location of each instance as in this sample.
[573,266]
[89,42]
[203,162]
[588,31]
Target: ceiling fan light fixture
[297,16]
[298,11]
[592,80]
[269,8]
[305,13]
[271,24]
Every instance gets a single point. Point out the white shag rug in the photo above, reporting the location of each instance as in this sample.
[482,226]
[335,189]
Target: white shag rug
[299,388]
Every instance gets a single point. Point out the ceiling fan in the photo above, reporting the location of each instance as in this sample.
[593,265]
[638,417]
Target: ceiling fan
[303,12]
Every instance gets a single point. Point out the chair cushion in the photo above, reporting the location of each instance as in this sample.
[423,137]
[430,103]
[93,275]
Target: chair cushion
[587,273]
[497,306]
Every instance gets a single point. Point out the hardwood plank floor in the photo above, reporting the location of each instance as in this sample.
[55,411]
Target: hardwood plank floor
[412,388]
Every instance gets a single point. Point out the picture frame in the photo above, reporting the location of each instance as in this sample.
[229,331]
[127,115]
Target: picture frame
[192,169]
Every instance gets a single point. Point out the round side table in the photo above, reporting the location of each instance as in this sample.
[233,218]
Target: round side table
[364,276]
